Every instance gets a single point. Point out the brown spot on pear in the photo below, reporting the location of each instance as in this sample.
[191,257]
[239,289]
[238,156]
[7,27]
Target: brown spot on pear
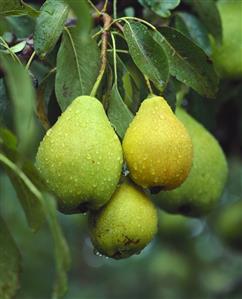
[125,225]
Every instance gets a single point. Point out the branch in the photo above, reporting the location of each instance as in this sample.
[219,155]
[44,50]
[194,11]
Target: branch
[107,20]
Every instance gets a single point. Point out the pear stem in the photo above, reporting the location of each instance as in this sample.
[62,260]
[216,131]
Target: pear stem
[30,60]
[114,59]
[125,19]
[94,7]
[106,25]
[114,9]
[148,84]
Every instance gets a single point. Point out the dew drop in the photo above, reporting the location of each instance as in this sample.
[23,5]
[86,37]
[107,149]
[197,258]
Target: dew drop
[96,252]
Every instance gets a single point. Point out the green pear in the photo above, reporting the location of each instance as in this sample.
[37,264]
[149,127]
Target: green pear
[125,225]
[228,225]
[202,189]
[80,157]
[228,56]
[157,146]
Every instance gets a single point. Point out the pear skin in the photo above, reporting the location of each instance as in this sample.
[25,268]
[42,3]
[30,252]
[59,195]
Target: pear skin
[227,57]
[80,157]
[125,225]
[157,146]
[200,193]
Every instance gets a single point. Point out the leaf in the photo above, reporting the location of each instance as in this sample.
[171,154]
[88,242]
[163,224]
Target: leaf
[77,67]
[49,26]
[190,26]
[8,139]
[160,7]
[44,92]
[81,10]
[131,83]
[16,7]
[209,14]
[22,26]
[27,193]
[118,113]
[18,47]
[62,255]
[9,263]
[11,7]
[22,96]
[45,204]
[147,54]
[188,63]
[5,114]
[121,73]
[139,87]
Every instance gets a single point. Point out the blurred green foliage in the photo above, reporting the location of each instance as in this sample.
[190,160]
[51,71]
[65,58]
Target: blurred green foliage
[198,266]
[185,260]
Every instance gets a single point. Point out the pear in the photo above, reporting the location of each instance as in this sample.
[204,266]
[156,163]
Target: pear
[228,56]
[125,225]
[228,225]
[157,146]
[80,157]
[202,189]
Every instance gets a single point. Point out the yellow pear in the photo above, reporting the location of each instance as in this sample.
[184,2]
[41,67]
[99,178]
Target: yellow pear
[157,146]
[80,157]
[125,225]
[201,191]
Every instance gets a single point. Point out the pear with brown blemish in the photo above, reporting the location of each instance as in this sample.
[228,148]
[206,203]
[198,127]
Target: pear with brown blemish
[125,225]
[157,146]
[80,157]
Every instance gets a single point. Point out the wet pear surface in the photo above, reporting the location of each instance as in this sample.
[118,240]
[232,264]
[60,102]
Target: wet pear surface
[205,183]
[157,147]
[228,56]
[125,225]
[80,157]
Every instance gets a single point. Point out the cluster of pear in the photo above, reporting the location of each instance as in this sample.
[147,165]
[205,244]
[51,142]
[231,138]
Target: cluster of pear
[81,159]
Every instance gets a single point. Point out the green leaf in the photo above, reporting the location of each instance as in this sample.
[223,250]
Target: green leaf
[8,139]
[5,114]
[131,83]
[49,26]
[11,7]
[118,113]
[40,206]
[190,26]
[22,26]
[147,54]
[160,7]
[22,94]
[77,67]
[209,14]
[28,195]
[139,87]
[16,7]
[188,63]
[9,263]
[81,10]
[61,249]
[18,47]
[122,74]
